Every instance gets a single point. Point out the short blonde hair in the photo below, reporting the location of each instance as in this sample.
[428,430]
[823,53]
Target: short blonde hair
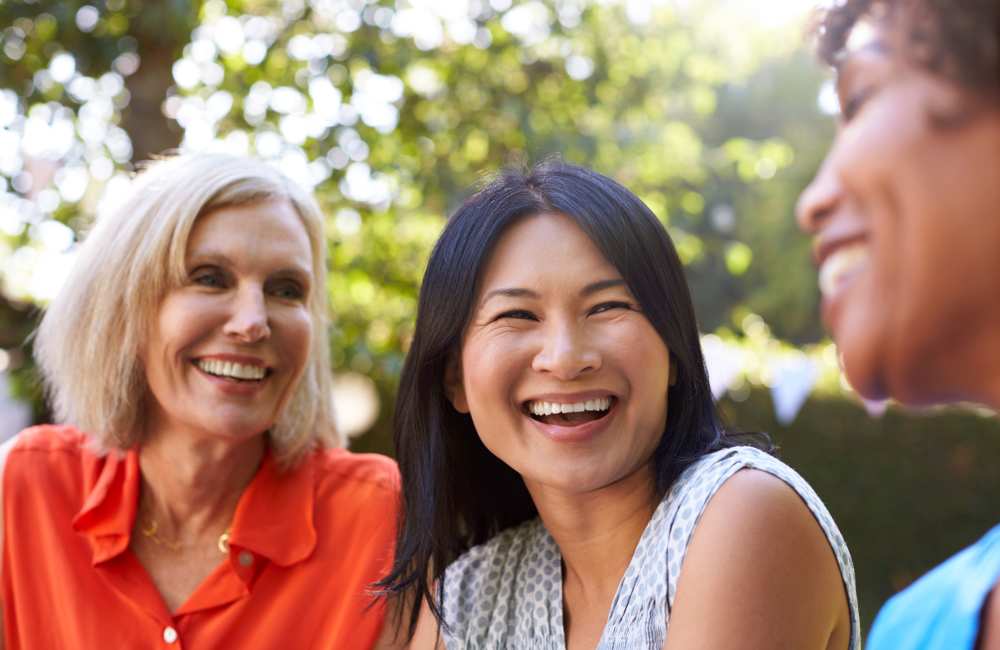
[88,343]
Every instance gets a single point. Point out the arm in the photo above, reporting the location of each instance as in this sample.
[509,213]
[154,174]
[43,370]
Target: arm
[4,452]
[759,574]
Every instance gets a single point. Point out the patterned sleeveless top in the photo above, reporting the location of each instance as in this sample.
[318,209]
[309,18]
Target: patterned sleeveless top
[507,593]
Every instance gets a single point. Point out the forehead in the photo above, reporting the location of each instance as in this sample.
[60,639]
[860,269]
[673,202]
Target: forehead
[262,227]
[543,245]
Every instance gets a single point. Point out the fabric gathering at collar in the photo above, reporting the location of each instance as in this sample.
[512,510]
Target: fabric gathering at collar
[273,519]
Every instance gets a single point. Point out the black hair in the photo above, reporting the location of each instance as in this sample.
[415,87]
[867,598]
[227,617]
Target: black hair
[956,39]
[456,493]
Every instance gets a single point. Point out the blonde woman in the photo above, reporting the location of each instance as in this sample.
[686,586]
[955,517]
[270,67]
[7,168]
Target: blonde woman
[196,495]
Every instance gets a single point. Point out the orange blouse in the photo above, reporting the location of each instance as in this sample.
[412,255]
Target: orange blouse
[304,548]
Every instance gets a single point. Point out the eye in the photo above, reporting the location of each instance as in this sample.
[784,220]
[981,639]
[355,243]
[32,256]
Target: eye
[211,278]
[608,306]
[517,314]
[288,290]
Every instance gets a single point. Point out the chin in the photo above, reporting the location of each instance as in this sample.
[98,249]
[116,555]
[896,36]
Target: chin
[862,353]
[866,383]
[912,383]
[237,429]
[568,480]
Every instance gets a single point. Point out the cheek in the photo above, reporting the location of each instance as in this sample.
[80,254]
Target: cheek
[177,326]
[297,338]
[484,375]
[643,356]
[872,151]
[490,370]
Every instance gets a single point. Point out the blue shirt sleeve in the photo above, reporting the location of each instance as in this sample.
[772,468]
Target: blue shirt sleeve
[941,610]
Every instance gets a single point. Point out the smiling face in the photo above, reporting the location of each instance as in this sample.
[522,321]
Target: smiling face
[907,232]
[564,377]
[228,347]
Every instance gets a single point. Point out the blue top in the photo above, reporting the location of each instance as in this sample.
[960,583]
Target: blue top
[941,610]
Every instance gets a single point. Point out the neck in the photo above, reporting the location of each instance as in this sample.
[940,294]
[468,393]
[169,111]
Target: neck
[597,532]
[977,371]
[191,485]
[940,374]
[991,376]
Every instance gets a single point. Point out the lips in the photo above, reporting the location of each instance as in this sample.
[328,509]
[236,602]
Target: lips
[571,418]
[842,264]
[234,374]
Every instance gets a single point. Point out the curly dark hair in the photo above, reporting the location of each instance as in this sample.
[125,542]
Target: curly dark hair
[957,39]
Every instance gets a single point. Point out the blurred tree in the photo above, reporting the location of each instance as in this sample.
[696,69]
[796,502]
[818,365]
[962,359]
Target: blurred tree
[392,110]
[775,138]
[51,50]
[94,67]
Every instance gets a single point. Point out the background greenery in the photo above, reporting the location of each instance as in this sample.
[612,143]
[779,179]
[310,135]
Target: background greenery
[393,110]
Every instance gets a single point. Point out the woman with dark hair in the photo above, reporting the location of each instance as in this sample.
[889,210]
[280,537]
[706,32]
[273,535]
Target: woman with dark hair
[906,216]
[567,483]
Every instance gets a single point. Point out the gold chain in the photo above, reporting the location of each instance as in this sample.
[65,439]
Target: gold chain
[149,530]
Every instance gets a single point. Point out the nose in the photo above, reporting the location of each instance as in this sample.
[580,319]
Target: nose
[819,199]
[566,353]
[248,320]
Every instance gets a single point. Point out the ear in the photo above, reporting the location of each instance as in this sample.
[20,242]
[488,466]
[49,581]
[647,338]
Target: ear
[454,387]
[672,379]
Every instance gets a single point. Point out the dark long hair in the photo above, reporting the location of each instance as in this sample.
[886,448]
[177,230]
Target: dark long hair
[456,493]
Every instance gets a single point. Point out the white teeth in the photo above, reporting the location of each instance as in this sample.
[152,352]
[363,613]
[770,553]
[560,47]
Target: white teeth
[840,265]
[230,369]
[548,408]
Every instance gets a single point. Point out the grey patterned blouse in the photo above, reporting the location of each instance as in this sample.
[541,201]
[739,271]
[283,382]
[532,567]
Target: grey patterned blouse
[507,593]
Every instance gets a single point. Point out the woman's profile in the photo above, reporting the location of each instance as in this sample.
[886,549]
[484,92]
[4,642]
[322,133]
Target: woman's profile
[905,216]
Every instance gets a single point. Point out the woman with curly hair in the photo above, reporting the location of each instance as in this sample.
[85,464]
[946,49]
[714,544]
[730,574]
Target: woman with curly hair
[906,217]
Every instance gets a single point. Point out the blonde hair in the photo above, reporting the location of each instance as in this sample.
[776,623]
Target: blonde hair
[88,343]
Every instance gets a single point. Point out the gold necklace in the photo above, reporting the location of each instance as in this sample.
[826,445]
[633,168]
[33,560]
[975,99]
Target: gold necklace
[149,530]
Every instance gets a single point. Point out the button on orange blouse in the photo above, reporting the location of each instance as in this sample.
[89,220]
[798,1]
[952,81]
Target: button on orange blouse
[304,547]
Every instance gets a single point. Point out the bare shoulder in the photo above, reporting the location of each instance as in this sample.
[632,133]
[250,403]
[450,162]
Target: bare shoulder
[757,498]
[427,636]
[760,556]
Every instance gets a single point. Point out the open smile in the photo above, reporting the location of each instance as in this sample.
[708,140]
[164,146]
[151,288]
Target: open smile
[232,377]
[842,265]
[233,371]
[575,420]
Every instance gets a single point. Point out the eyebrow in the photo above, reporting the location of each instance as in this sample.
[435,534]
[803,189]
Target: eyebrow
[519,292]
[200,259]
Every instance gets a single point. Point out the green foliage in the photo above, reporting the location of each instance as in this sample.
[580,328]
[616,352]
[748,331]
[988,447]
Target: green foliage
[711,120]
[100,36]
[667,106]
